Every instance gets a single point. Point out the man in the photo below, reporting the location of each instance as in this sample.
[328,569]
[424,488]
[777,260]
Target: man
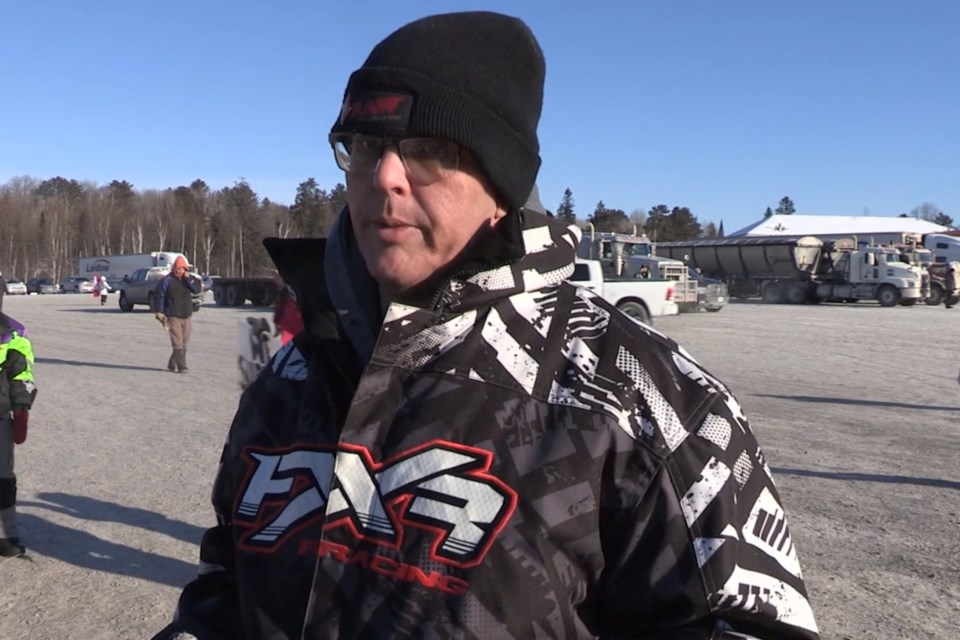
[174,308]
[17,392]
[462,444]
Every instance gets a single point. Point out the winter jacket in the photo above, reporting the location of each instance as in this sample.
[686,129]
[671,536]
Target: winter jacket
[17,387]
[516,459]
[175,297]
[101,286]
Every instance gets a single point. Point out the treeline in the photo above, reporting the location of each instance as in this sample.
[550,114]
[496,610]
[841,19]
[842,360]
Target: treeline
[661,223]
[46,226]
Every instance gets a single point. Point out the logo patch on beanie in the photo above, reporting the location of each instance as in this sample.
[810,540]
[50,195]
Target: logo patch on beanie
[380,108]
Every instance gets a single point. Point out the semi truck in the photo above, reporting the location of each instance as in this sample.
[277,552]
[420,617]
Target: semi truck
[944,274]
[804,269]
[116,267]
[945,247]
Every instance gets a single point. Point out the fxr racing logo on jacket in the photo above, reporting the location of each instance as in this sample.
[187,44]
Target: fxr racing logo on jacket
[441,487]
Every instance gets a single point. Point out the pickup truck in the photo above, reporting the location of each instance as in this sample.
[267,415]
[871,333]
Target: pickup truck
[641,299]
[141,287]
[712,294]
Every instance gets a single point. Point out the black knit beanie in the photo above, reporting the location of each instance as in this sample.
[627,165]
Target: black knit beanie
[475,78]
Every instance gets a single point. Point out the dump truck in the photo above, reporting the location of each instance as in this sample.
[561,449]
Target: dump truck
[804,269]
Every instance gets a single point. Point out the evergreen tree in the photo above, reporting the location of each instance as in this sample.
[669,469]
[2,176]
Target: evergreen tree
[785,208]
[565,211]
[768,213]
[608,220]
[681,225]
[943,219]
[657,222]
[311,209]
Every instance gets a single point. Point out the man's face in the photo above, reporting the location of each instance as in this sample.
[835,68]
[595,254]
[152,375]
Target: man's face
[179,270]
[407,231]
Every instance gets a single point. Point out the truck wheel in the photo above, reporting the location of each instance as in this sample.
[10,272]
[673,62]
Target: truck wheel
[124,303]
[232,296]
[936,295]
[772,293]
[218,296]
[796,293]
[888,296]
[636,311]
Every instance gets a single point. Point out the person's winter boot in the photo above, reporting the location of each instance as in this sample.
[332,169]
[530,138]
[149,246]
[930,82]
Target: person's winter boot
[181,356]
[11,548]
[172,362]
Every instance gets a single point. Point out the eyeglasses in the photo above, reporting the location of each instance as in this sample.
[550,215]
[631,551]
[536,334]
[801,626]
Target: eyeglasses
[427,160]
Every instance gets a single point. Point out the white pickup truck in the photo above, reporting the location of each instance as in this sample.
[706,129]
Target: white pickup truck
[640,299]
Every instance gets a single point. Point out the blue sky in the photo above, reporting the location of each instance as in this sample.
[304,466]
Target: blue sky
[846,106]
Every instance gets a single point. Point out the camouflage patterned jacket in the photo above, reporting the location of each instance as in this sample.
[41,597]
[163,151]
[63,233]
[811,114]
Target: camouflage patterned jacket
[517,460]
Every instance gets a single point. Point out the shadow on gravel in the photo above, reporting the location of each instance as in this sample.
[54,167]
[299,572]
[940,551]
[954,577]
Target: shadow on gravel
[102,365]
[868,477]
[856,401]
[86,550]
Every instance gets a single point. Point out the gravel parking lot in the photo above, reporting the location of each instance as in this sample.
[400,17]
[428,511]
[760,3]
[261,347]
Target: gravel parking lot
[856,406]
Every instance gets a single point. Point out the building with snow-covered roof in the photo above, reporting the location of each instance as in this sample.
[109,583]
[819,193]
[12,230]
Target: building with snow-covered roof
[876,229]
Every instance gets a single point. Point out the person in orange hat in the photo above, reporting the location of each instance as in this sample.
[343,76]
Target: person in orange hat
[174,301]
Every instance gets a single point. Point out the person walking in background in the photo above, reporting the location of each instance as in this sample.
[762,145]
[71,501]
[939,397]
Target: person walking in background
[286,313]
[462,443]
[174,301]
[17,393]
[100,288]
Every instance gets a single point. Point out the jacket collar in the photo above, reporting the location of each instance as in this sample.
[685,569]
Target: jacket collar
[527,252]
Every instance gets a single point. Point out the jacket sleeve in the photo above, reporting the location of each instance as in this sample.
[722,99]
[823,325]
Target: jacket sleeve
[209,606]
[18,369]
[161,291]
[195,284]
[708,542]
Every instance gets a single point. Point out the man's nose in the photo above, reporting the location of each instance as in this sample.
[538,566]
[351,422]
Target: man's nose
[390,174]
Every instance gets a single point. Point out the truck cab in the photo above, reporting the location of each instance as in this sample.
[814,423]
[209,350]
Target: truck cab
[874,272]
[944,275]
